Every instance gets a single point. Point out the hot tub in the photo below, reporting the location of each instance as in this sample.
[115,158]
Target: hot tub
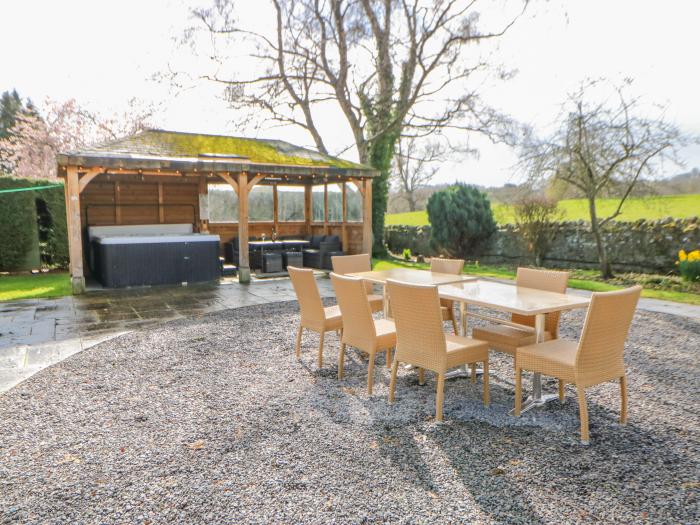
[145,255]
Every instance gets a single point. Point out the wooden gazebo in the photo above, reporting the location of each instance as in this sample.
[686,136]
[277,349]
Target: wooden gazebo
[164,177]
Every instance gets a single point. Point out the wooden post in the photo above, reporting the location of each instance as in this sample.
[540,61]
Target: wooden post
[161,209]
[344,230]
[325,209]
[275,209]
[203,193]
[243,261]
[75,234]
[367,217]
[308,210]
[117,203]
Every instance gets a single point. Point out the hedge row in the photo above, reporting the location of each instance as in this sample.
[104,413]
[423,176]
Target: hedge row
[19,231]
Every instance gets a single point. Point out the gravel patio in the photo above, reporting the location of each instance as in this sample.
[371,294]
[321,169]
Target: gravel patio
[212,420]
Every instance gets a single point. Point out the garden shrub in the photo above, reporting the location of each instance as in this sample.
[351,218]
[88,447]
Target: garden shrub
[19,232]
[461,219]
[536,217]
[689,265]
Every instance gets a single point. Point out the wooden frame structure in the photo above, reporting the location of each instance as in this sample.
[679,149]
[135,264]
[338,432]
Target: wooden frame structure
[113,184]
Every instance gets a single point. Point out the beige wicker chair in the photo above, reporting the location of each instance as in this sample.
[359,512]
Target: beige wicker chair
[454,267]
[313,314]
[422,342]
[507,339]
[362,262]
[359,328]
[596,358]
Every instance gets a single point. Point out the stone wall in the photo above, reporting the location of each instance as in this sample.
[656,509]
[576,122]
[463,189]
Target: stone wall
[641,246]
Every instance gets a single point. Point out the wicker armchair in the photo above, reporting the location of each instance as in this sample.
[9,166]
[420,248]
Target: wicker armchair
[359,328]
[343,264]
[421,341]
[454,267]
[596,358]
[313,314]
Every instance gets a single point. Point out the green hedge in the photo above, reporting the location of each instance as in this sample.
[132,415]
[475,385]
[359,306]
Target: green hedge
[19,232]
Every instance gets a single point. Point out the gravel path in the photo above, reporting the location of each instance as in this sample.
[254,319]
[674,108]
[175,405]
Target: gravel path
[212,420]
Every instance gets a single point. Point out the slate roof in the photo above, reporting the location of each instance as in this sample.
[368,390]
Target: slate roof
[156,148]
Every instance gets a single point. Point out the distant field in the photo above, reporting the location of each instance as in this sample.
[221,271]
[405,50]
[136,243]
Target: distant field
[677,206]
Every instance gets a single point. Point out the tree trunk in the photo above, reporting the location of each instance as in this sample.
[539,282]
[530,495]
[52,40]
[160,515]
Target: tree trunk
[605,268]
[411,201]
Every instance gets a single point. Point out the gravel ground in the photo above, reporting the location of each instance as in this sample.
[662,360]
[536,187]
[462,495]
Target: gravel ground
[212,420]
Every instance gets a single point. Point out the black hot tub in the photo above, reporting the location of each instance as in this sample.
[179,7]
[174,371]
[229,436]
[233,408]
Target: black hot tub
[140,258]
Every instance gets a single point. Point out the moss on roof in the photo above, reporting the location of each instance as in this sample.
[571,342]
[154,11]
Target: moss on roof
[178,144]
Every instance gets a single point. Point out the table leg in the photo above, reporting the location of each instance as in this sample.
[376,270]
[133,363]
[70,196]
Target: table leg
[462,371]
[537,398]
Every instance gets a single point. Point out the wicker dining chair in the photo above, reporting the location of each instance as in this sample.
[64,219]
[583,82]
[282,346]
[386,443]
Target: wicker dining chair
[596,358]
[360,329]
[454,267]
[421,341]
[314,316]
[361,262]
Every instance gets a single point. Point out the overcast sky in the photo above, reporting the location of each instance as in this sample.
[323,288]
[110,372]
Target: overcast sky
[105,52]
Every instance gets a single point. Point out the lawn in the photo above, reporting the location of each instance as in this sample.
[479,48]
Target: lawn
[650,208]
[34,286]
[655,287]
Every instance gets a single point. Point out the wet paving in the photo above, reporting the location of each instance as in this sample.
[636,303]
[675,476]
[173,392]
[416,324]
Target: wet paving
[36,333]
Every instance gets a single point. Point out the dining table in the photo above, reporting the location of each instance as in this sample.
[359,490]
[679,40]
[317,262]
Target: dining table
[409,275]
[513,299]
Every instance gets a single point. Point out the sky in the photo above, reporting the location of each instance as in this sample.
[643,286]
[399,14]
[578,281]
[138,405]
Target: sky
[103,53]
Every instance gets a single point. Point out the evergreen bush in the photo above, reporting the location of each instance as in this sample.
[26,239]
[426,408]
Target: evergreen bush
[19,232]
[461,219]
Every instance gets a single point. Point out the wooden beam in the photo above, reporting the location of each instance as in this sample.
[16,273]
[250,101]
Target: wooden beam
[254,181]
[359,185]
[308,210]
[75,232]
[367,217]
[231,181]
[343,231]
[202,195]
[86,178]
[325,209]
[275,209]
[243,260]
[117,203]
[161,209]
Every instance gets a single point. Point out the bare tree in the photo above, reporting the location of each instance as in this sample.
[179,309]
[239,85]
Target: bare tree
[414,167]
[536,217]
[386,65]
[601,147]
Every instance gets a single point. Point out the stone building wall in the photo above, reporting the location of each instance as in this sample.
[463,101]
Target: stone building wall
[641,246]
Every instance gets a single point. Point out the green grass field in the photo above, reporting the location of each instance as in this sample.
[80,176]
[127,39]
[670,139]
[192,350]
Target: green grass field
[651,208]
[655,287]
[34,286]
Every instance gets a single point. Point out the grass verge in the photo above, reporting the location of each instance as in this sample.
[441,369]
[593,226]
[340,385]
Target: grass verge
[54,284]
[655,287]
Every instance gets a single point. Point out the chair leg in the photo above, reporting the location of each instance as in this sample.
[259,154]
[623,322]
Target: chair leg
[561,390]
[583,414]
[341,361]
[454,323]
[439,398]
[392,382]
[388,357]
[623,399]
[487,394]
[473,374]
[518,391]
[421,376]
[370,373]
[320,350]
[298,347]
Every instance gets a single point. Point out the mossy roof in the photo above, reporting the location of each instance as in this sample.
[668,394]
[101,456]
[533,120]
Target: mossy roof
[172,146]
